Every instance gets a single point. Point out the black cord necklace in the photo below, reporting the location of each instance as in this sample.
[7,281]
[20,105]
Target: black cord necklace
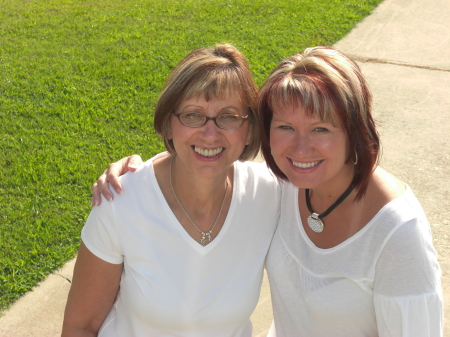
[314,221]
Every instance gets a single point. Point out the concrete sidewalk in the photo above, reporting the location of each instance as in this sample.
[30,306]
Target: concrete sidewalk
[403,49]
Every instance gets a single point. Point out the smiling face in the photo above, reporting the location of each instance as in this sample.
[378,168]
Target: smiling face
[310,152]
[219,72]
[209,150]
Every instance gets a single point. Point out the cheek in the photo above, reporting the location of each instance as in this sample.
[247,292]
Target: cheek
[277,142]
[276,149]
[237,139]
[172,127]
[335,148]
[327,142]
[249,137]
[273,139]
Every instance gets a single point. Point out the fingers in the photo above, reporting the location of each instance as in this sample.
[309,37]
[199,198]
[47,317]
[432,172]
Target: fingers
[133,162]
[96,200]
[101,187]
[110,178]
[112,175]
[116,170]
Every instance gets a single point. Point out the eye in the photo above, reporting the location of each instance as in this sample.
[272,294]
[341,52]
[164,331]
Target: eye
[279,126]
[191,115]
[320,129]
[284,127]
[229,117]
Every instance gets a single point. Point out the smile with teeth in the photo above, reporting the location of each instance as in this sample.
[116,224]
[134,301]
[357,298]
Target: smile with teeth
[306,165]
[208,152]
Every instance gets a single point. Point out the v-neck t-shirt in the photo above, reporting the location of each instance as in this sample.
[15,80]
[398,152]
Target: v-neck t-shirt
[171,285]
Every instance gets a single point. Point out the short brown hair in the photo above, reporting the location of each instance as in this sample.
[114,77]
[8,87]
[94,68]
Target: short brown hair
[328,85]
[217,72]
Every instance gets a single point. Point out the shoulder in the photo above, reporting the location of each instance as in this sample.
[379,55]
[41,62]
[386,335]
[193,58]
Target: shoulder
[406,262]
[135,184]
[394,212]
[256,183]
[401,218]
[387,192]
[255,170]
[385,186]
[144,172]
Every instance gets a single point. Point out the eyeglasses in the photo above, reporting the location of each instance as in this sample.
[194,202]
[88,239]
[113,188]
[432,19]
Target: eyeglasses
[225,121]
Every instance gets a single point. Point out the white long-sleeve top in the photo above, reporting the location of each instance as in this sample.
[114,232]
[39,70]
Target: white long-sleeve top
[171,285]
[383,281]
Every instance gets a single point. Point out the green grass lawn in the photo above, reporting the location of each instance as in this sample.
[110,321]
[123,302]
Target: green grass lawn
[78,82]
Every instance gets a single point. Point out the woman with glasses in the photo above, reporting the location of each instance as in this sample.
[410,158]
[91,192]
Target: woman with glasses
[181,251]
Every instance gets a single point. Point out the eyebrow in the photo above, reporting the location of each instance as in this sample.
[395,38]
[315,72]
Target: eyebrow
[228,107]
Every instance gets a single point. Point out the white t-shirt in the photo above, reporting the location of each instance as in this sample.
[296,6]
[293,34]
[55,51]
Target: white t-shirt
[382,281]
[171,285]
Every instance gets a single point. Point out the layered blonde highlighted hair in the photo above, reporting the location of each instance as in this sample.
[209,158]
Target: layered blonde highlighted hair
[218,72]
[328,85]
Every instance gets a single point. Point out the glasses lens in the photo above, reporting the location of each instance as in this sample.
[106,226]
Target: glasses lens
[192,119]
[229,121]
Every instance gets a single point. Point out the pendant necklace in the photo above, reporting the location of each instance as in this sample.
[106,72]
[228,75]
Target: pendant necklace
[206,236]
[314,221]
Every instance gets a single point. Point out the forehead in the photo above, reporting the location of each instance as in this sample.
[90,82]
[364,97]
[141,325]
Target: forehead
[214,84]
[292,108]
[215,103]
[288,109]
[293,113]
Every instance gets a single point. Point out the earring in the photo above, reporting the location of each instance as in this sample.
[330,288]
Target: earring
[356,158]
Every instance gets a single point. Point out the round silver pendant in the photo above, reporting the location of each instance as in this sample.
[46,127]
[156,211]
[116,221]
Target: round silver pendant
[315,223]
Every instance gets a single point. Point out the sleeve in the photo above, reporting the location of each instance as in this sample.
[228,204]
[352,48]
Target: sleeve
[407,288]
[101,236]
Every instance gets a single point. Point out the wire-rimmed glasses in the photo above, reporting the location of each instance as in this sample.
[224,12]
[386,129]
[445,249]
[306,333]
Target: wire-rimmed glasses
[227,121]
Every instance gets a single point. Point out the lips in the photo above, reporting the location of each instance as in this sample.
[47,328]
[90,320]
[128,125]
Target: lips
[208,152]
[306,165]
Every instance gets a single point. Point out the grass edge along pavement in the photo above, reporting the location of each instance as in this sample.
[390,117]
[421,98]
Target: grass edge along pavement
[79,80]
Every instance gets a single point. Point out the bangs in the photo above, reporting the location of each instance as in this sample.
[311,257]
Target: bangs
[217,83]
[329,86]
[221,72]
[308,91]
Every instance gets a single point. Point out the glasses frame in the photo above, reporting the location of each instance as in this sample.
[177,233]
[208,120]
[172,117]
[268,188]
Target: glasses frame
[242,118]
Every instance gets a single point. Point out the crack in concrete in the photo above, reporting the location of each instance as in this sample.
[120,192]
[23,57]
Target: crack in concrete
[68,280]
[396,63]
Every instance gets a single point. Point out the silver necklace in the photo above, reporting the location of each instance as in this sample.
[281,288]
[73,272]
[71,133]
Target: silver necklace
[206,236]
[314,221]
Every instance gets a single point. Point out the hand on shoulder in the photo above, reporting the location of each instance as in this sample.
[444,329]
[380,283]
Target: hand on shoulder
[111,176]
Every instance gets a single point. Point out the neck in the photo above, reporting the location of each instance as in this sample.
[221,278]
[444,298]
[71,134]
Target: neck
[198,191]
[322,197]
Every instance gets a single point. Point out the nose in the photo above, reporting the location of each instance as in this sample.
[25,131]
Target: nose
[301,144]
[210,130]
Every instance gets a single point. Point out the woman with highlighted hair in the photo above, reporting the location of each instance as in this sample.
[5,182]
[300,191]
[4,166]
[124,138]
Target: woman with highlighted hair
[352,254]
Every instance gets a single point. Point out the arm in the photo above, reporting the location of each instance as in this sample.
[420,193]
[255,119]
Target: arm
[94,289]
[407,289]
[111,175]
